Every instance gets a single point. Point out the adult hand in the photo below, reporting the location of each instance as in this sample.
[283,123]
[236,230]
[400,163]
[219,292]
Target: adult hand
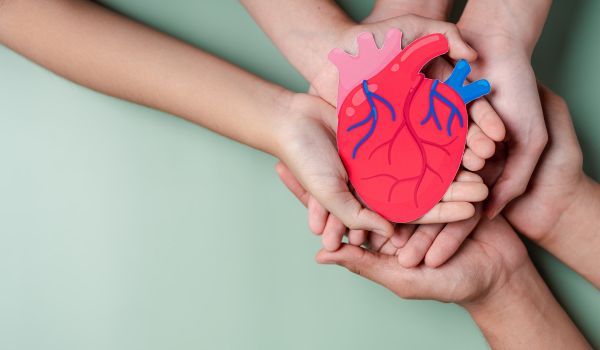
[559,210]
[558,179]
[491,276]
[484,266]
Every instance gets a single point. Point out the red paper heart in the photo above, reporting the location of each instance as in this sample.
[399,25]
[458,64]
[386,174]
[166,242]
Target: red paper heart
[401,136]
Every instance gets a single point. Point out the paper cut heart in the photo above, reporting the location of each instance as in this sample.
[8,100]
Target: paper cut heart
[401,136]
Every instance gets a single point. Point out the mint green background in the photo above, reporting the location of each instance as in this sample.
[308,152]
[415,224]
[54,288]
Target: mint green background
[125,228]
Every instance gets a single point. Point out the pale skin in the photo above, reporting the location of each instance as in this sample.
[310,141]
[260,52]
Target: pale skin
[323,25]
[491,275]
[504,34]
[97,48]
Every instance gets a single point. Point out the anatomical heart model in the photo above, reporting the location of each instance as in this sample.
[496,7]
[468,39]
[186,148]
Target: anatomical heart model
[401,136]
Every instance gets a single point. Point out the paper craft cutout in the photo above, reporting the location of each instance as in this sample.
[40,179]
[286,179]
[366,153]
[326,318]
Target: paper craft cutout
[401,136]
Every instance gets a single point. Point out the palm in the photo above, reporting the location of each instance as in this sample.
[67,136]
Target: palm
[310,138]
[483,263]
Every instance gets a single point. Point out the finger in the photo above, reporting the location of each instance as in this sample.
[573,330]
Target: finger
[444,212]
[494,166]
[333,233]
[467,176]
[458,47]
[466,192]
[513,182]
[292,184]
[317,216]
[388,248]
[402,234]
[482,114]
[346,208]
[415,249]
[480,143]
[376,241]
[449,240]
[471,161]
[357,237]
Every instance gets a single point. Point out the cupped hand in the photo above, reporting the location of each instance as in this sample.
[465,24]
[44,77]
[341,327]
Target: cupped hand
[456,206]
[507,65]
[557,181]
[483,265]
[307,145]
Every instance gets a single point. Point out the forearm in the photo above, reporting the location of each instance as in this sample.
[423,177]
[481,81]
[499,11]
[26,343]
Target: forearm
[524,314]
[434,9]
[575,239]
[304,31]
[97,48]
[515,22]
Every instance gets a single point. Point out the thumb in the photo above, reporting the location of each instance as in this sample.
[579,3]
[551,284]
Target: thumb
[379,268]
[349,210]
[292,184]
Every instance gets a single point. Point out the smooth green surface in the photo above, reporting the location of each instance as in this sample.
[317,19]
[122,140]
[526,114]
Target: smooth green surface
[125,228]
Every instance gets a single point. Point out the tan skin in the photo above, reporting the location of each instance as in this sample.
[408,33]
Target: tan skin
[491,276]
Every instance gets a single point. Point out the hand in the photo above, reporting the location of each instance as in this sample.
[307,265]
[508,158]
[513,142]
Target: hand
[432,244]
[491,276]
[455,206]
[483,266]
[504,59]
[307,145]
[558,179]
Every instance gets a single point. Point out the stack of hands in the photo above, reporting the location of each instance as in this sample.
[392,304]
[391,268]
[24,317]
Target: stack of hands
[521,143]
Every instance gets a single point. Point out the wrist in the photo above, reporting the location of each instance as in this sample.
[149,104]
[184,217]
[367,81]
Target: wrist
[523,295]
[585,200]
[507,24]
[296,111]
[283,110]
[523,313]
[433,9]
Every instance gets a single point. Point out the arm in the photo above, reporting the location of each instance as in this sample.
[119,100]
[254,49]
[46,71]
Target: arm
[491,277]
[434,9]
[97,48]
[514,22]
[576,237]
[504,33]
[304,31]
[525,314]
[92,46]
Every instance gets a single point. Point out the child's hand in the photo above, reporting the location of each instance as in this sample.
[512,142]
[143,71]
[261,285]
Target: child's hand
[317,177]
[504,36]
[307,144]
